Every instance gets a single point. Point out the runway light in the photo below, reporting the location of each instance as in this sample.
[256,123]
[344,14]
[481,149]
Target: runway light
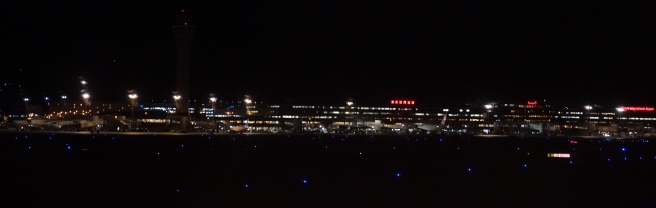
[305,181]
[469,169]
[246,185]
[398,174]
[524,165]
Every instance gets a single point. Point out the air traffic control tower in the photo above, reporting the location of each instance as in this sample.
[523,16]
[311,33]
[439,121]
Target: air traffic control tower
[183,32]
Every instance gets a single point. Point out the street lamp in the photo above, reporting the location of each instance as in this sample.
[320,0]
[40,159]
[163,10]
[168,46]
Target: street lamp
[247,101]
[213,100]
[488,108]
[86,97]
[349,103]
[26,106]
[133,96]
[176,98]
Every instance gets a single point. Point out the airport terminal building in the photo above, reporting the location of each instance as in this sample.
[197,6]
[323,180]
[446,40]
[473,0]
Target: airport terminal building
[392,116]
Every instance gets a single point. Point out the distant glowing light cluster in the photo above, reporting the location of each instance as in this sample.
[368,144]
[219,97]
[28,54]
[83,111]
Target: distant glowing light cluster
[563,155]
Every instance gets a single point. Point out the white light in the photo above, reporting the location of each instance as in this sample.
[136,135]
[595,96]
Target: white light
[83,82]
[213,99]
[488,106]
[620,109]
[177,97]
[349,103]
[587,107]
[133,96]
[86,95]
[63,96]
[565,155]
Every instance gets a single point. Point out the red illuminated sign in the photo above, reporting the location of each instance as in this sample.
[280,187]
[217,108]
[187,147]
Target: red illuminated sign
[637,108]
[532,102]
[402,102]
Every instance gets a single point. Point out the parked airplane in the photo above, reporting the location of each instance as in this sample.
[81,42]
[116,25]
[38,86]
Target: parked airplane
[434,127]
[238,129]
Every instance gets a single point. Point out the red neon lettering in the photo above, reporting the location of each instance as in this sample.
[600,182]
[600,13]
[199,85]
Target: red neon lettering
[637,108]
[532,102]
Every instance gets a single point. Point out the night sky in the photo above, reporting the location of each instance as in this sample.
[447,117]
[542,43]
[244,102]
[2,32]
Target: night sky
[329,51]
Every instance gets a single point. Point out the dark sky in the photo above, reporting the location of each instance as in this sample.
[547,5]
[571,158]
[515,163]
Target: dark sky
[334,50]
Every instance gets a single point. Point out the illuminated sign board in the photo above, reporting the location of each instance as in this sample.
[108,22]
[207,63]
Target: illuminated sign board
[637,108]
[532,102]
[564,155]
[402,102]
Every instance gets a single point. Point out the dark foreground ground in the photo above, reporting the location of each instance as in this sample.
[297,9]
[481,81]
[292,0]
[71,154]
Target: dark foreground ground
[84,170]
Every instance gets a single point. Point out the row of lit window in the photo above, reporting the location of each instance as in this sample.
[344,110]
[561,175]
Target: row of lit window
[526,106]
[302,106]
[539,116]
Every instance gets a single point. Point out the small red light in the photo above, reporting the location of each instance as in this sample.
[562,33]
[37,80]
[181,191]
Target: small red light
[412,102]
[183,11]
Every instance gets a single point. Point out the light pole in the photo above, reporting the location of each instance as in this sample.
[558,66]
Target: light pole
[26,107]
[213,100]
[247,102]
[349,103]
[176,98]
[86,97]
[488,109]
[133,96]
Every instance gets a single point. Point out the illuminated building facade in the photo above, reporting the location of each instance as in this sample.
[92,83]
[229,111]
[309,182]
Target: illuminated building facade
[507,118]
[534,117]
